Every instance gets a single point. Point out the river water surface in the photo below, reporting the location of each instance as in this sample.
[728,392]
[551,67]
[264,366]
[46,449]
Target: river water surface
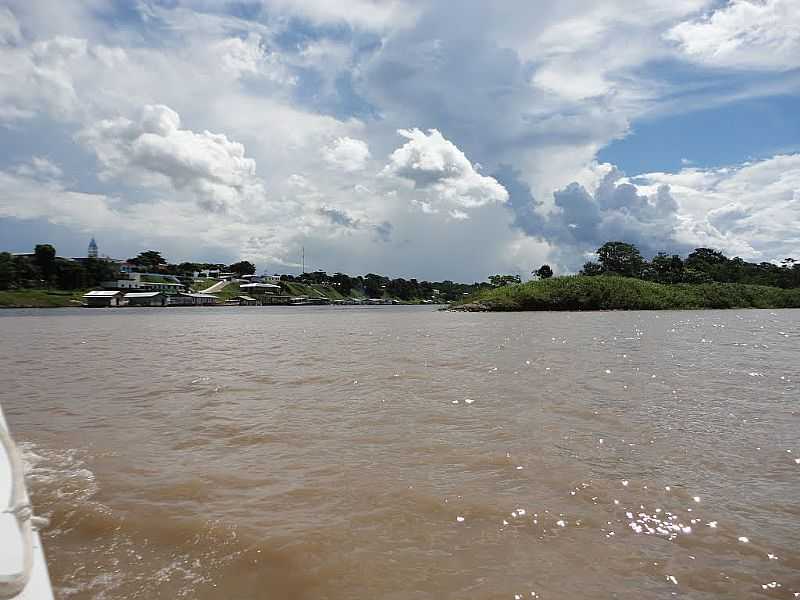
[405,453]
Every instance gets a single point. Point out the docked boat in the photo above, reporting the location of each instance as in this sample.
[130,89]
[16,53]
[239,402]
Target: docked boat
[23,570]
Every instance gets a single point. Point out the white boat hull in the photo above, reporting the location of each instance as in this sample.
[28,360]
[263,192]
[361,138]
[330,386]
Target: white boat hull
[23,570]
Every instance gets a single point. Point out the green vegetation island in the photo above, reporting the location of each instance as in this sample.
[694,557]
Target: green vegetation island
[613,292]
[622,280]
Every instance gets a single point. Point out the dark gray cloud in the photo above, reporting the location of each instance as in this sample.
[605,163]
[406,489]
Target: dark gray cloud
[339,217]
[383,231]
[582,220]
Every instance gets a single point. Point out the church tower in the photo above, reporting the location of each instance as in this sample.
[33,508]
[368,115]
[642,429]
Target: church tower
[92,249]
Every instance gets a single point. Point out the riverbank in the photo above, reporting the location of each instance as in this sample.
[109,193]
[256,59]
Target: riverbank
[623,293]
[39,298]
[43,298]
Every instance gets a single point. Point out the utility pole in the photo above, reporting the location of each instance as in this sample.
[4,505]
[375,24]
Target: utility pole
[303,260]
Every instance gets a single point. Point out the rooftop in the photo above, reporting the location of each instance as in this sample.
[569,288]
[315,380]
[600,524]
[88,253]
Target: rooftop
[254,286]
[142,294]
[101,294]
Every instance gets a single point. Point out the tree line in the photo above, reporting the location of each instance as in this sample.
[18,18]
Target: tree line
[702,265]
[43,269]
[372,285]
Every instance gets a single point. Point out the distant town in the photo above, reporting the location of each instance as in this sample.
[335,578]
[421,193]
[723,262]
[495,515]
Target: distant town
[42,278]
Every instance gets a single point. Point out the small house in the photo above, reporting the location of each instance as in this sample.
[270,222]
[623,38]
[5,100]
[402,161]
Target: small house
[246,300]
[146,299]
[103,298]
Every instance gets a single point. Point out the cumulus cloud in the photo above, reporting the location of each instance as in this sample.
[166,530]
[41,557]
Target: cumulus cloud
[154,150]
[616,210]
[35,78]
[750,34]
[583,219]
[751,210]
[435,165]
[347,154]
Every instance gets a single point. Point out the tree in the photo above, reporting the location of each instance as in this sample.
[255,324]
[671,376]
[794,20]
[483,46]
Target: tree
[666,269]
[374,285]
[543,272]
[503,280]
[707,256]
[27,273]
[188,267]
[99,270]
[343,283]
[591,268]
[151,260]
[621,258]
[44,256]
[70,275]
[243,267]
[8,272]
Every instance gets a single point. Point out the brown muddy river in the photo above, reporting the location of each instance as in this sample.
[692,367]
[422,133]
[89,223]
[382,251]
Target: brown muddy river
[402,453]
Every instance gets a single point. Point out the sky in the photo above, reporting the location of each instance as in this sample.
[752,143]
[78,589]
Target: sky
[404,137]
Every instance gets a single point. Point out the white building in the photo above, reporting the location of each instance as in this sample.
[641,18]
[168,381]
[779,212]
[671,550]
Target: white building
[146,299]
[103,298]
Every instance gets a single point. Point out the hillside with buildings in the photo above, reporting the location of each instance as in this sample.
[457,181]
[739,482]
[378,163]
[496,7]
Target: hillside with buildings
[41,279]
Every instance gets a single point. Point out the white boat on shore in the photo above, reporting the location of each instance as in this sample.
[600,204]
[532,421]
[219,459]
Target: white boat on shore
[23,570]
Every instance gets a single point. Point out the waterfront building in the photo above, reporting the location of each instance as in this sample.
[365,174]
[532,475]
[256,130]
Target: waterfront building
[103,298]
[146,299]
[200,299]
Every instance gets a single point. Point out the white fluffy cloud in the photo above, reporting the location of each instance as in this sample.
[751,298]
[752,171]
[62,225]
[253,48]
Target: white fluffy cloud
[434,164]
[34,78]
[752,210]
[154,150]
[347,154]
[751,34]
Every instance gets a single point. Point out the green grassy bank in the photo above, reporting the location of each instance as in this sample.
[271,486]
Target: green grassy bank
[39,298]
[622,293]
